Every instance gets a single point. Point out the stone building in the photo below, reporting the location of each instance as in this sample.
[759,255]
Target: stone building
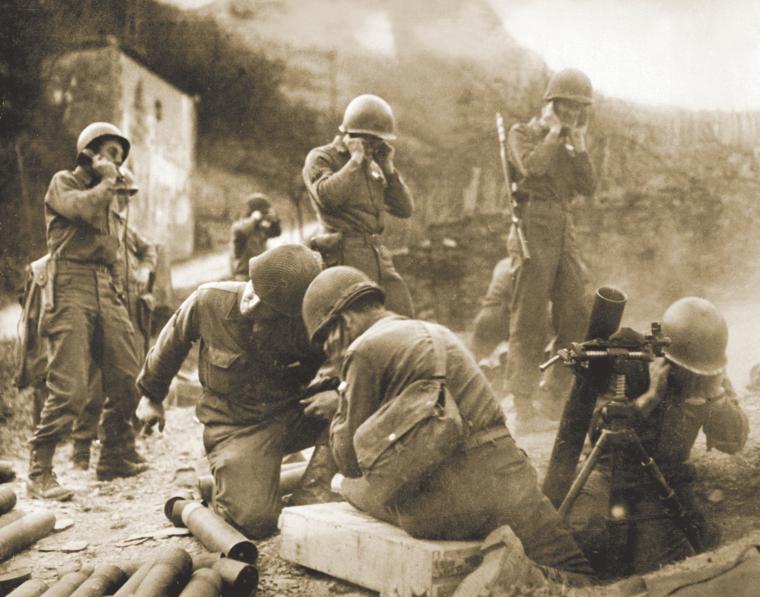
[105,83]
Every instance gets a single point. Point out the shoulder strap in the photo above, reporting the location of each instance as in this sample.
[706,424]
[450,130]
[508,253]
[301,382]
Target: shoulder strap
[439,350]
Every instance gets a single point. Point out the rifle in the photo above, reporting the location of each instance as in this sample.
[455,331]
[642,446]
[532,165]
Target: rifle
[512,206]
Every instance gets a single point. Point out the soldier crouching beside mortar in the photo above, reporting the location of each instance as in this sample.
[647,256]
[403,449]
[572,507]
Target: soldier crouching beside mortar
[84,320]
[485,487]
[255,363]
[688,390]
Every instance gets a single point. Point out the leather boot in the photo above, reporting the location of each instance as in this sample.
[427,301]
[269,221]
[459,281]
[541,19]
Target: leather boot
[131,454]
[504,567]
[80,455]
[113,463]
[314,487]
[42,482]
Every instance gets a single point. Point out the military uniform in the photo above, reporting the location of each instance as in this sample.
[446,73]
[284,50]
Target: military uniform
[135,252]
[249,238]
[668,434]
[351,199]
[89,322]
[253,374]
[552,174]
[487,484]
[491,324]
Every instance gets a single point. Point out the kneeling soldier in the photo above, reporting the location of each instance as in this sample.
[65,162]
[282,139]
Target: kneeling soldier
[488,485]
[255,362]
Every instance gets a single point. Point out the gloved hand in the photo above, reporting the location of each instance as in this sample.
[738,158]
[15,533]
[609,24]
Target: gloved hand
[150,413]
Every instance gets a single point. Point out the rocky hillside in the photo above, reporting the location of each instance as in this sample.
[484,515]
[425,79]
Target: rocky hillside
[675,207]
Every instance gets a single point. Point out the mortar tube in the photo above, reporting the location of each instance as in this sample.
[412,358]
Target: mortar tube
[69,583]
[169,573]
[136,576]
[7,499]
[31,588]
[25,531]
[205,582]
[606,314]
[211,529]
[103,581]
[10,517]
[239,579]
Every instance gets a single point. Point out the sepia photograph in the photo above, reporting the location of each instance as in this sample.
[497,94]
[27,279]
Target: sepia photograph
[407,298]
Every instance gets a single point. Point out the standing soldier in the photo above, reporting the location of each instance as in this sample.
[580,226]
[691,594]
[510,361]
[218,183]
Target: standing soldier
[251,232]
[84,318]
[549,153]
[351,182]
[137,262]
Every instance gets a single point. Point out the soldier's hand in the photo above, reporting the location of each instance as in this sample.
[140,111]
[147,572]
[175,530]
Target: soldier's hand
[150,413]
[659,371]
[105,168]
[550,120]
[384,154]
[357,147]
[578,132]
[323,404]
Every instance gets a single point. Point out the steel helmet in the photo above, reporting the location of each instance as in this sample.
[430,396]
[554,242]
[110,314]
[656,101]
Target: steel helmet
[333,290]
[256,202]
[371,115]
[281,275]
[570,84]
[698,335]
[96,130]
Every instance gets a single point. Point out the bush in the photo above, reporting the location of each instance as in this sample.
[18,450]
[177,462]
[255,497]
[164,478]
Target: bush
[15,406]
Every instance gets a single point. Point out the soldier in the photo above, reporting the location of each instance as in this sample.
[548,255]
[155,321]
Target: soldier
[486,484]
[688,391]
[250,233]
[491,325]
[351,182]
[137,260]
[549,154]
[255,362]
[84,319]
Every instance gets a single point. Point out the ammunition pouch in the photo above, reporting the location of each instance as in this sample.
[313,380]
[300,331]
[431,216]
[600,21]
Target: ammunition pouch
[38,299]
[329,245]
[411,435]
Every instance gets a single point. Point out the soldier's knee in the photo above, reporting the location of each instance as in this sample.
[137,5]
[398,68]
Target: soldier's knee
[256,521]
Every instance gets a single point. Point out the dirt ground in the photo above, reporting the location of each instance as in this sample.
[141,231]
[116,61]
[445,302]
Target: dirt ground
[108,517]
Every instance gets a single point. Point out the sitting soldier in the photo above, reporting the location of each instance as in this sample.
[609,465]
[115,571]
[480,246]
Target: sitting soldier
[687,391]
[488,485]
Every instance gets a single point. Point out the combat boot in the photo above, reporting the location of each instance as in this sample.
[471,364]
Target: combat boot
[131,454]
[504,567]
[114,463]
[314,487]
[42,482]
[80,454]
